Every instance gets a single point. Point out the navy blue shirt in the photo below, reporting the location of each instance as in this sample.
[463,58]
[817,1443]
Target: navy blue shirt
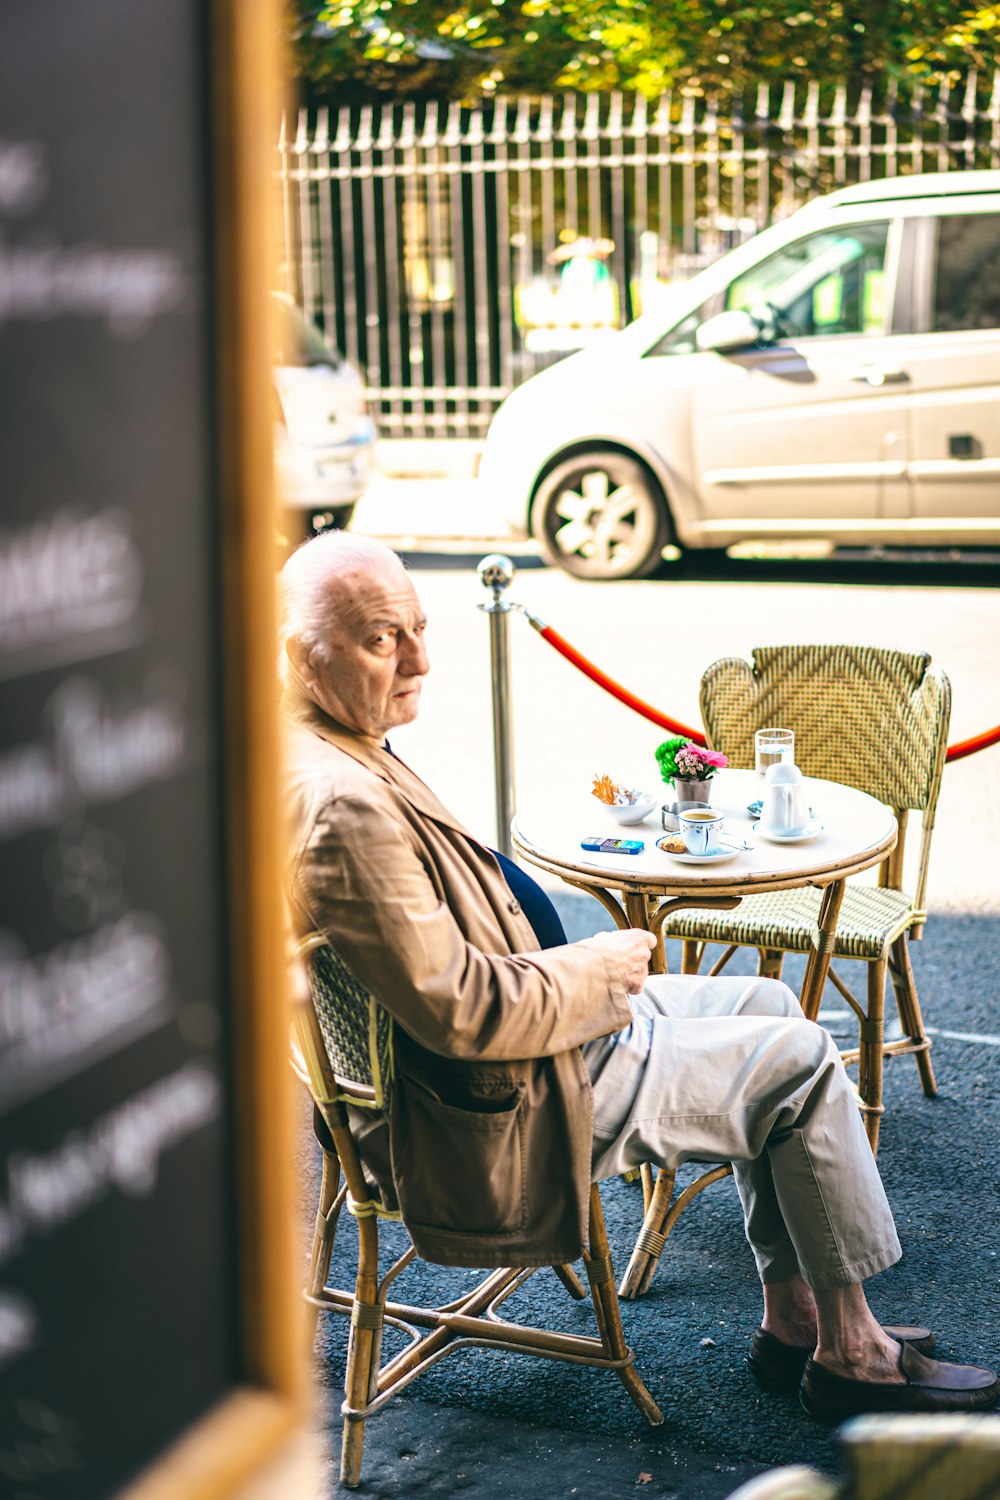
[535,904]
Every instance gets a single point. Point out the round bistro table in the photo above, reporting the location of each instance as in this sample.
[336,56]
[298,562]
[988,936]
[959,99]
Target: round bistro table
[643,890]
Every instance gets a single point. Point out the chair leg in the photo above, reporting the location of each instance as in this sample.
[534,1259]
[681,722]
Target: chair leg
[602,1287]
[771,960]
[571,1282]
[324,1235]
[366,1329]
[691,952]
[649,1244]
[870,1055]
[905,989]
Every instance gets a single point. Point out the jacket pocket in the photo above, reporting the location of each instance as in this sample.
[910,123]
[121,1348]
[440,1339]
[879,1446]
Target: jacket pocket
[459,1170]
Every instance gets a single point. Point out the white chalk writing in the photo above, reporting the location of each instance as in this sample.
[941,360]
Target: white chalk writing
[129,288]
[121,1150]
[67,575]
[62,1011]
[18,1325]
[24,176]
[97,752]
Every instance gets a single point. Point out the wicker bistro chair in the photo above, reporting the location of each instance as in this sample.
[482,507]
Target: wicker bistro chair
[870,718]
[343,1052]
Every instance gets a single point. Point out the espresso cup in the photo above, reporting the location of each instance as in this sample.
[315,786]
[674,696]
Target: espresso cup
[700,829]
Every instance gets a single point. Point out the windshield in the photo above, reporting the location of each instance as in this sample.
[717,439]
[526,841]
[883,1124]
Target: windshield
[300,342]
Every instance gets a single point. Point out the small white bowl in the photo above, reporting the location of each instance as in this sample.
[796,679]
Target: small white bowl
[632,812]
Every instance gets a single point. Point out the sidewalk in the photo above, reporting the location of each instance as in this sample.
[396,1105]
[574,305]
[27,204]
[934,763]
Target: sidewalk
[425,494]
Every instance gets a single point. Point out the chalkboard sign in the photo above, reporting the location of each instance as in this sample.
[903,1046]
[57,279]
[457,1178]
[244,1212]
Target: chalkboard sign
[119,1261]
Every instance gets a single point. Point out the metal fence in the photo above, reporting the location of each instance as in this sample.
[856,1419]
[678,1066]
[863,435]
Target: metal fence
[452,252]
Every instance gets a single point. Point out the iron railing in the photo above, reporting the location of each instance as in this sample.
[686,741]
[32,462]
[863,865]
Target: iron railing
[452,252]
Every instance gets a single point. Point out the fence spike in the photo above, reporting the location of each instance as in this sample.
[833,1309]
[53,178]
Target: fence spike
[637,125]
[453,125]
[592,118]
[969,102]
[475,134]
[321,135]
[342,143]
[567,120]
[838,115]
[366,139]
[301,145]
[499,132]
[385,138]
[408,128]
[993,108]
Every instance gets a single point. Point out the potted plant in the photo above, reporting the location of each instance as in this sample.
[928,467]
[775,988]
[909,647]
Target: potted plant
[689,767]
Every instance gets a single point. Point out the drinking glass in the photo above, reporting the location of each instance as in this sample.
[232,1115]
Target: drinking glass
[772,747]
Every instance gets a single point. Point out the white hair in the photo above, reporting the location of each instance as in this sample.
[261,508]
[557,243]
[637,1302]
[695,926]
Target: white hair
[308,602]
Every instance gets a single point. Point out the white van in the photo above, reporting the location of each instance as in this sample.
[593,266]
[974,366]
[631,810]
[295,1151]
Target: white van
[324,439]
[836,377]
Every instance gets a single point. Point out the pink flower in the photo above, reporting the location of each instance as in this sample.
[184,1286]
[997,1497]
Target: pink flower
[712,757]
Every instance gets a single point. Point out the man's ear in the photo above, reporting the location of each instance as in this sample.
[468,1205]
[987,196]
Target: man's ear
[300,658]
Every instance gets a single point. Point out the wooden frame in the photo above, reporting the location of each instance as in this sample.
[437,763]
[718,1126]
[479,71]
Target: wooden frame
[252,1426]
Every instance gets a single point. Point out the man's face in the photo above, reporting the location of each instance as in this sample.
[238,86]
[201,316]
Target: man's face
[369,677]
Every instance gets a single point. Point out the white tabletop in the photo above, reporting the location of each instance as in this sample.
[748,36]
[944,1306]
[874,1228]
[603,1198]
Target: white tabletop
[857,833]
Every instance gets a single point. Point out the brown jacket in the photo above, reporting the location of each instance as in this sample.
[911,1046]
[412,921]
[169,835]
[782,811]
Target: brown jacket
[491,1120]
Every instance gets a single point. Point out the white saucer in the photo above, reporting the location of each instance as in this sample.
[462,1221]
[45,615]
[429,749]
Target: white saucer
[809,832]
[700,859]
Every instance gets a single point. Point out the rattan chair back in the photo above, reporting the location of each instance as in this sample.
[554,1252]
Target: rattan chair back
[356,1032]
[868,717]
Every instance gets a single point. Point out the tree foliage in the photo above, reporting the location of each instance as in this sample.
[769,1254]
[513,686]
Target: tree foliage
[464,49]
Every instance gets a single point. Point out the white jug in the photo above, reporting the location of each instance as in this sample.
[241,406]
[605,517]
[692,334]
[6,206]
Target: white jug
[785,808]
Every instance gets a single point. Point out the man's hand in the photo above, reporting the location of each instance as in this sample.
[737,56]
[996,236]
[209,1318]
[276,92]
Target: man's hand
[631,949]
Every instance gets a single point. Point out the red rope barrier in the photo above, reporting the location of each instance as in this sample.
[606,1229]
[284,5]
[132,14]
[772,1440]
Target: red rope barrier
[955,752]
[615,689]
[970,746]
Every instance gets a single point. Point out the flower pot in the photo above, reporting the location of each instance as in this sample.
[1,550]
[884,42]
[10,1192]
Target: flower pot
[691,791]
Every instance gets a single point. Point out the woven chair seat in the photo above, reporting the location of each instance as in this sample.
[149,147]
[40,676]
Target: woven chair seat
[870,919]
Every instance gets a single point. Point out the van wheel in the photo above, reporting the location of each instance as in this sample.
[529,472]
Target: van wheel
[601,515]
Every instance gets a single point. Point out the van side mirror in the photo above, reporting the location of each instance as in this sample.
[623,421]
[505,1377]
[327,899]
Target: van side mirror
[728,331]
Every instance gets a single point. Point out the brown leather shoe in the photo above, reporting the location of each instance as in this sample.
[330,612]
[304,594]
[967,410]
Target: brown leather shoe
[929,1386]
[777,1366]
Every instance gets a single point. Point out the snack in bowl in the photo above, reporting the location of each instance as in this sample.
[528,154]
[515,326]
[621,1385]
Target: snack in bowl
[625,804]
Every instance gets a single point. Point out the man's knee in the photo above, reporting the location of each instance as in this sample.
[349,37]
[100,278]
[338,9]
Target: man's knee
[769,997]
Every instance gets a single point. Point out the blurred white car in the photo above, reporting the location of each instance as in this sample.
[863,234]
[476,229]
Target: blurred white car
[324,438]
[836,377]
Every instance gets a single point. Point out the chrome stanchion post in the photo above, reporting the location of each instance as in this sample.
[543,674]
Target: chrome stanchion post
[496,572]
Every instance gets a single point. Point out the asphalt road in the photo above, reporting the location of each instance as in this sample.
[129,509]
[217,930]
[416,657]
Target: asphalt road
[488,1425]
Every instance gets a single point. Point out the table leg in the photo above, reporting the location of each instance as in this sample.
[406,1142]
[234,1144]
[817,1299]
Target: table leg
[818,962]
[637,910]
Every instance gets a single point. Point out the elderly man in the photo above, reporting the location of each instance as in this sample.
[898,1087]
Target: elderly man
[524,1072]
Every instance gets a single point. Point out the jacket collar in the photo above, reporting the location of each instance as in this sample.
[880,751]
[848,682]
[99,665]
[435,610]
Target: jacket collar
[371,754]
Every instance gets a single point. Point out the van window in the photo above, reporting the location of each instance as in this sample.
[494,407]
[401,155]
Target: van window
[967,277]
[827,283]
[681,338]
[300,342]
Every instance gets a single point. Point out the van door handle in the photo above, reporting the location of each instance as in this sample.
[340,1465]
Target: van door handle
[877,375]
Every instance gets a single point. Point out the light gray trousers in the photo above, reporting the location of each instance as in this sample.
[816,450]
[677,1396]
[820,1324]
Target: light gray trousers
[729,1069]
